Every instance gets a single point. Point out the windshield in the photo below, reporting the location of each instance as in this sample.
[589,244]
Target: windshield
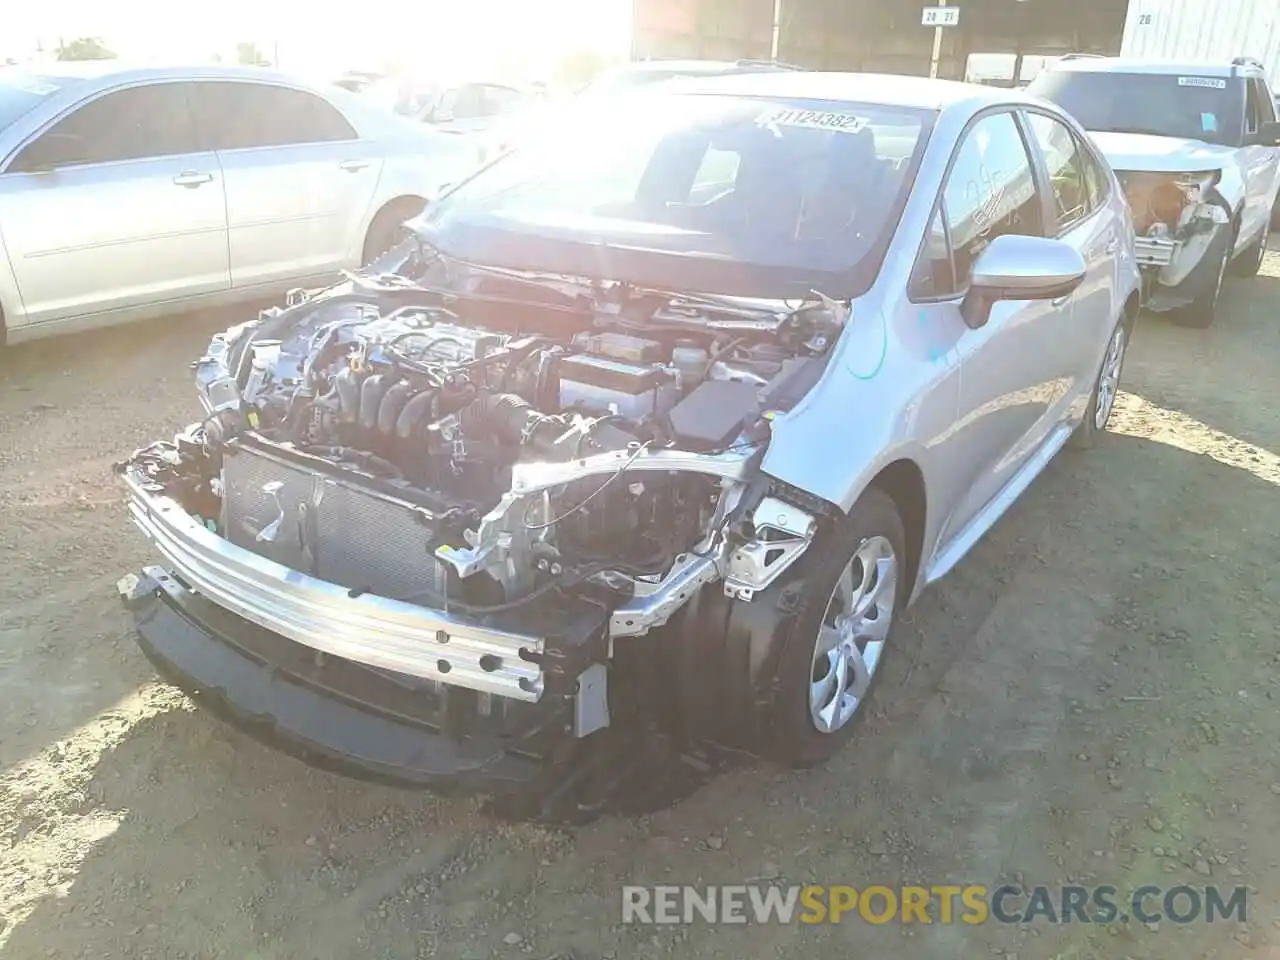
[1170,105]
[801,191]
[20,92]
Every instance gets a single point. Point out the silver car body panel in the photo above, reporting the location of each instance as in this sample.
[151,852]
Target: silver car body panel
[102,243]
[979,412]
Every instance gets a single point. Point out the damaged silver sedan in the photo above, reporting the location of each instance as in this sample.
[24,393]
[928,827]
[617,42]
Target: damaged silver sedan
[657,423]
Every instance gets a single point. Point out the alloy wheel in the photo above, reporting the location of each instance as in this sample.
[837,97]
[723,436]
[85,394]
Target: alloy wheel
[1109,380]
[851,639]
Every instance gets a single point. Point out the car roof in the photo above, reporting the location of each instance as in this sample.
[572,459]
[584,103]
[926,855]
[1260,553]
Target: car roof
[1209,68]
[703,67]
[118,71]
[888,89]
[699,66]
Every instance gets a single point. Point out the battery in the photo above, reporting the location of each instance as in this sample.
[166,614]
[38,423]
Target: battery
[620,346]
[596,383]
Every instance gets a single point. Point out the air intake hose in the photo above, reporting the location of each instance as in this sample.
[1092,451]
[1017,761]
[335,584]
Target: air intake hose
[509,418]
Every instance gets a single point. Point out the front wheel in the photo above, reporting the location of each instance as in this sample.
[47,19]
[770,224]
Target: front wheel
[849,589]
[1102,401]
[1203,310]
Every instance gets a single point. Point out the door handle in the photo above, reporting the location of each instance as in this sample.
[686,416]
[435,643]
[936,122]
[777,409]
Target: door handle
[1059,301]
[351,166]
[189,178]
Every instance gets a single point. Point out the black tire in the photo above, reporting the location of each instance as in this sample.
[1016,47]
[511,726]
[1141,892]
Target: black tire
[793,738]
[1250,261]
[1086,435]
[387,228]
[1203,311]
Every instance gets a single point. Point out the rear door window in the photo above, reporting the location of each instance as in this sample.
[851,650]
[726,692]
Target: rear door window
[238,116]
[1065,160]
[1095,175]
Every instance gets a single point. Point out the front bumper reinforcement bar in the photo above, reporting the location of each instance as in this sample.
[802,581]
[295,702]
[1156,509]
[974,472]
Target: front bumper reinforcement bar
[376,631]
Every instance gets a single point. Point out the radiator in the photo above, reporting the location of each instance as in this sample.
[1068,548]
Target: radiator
[328,527]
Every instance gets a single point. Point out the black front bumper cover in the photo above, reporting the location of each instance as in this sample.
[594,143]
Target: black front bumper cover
[350,719]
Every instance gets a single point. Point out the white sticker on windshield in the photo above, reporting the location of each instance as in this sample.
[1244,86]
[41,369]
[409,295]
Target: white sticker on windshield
[775,118]
[1213,83]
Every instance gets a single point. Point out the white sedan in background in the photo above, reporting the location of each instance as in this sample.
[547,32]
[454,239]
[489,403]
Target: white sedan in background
[129,193]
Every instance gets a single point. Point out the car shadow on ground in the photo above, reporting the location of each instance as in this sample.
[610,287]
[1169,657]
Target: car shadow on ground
[210,845]
[93,350]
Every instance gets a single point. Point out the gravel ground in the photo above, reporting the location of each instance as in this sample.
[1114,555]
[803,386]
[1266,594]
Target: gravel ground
[1089,698]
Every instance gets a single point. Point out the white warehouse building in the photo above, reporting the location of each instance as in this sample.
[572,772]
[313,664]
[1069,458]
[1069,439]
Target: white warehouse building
[1204,30]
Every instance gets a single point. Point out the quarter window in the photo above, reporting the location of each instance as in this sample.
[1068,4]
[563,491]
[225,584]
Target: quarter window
[1253,107]
[238,116]
[934,276]
[1068,173]
[1262,107]
[990,191]
[131,124]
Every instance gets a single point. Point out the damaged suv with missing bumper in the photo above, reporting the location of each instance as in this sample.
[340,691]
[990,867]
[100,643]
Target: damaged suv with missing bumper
[660,415]
[1197,148]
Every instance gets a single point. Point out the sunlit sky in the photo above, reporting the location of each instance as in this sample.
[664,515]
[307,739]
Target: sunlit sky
[454,38]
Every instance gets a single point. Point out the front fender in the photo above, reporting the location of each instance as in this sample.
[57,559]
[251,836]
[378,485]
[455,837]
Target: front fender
[887,394]
[1231,187]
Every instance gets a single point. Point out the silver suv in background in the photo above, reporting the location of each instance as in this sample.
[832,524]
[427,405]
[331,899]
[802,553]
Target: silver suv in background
[1196,147]
[133,193]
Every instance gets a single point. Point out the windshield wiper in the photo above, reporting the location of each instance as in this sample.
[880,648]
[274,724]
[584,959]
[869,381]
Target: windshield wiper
[736,312]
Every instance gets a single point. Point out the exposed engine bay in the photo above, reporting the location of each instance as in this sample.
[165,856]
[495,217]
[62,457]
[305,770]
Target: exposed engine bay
[383,438]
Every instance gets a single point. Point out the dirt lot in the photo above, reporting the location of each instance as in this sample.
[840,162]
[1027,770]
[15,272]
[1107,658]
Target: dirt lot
[1090,697]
